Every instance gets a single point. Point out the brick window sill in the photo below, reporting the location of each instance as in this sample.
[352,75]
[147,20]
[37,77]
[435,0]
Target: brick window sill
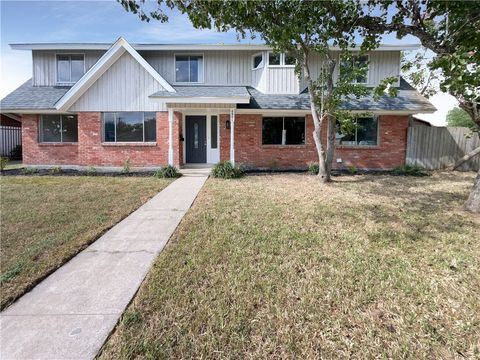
[358,147]
[58,144]
[129,144]
[284,146]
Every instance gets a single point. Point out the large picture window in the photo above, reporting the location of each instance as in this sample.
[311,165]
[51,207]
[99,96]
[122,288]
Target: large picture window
[58,128]
[364,134]
[283,131]
[70,68]
[189,68]
[129,127]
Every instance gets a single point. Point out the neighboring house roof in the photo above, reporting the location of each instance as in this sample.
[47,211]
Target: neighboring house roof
[173,47]
[408,99]
[96,71]
[29,97]
[205,93]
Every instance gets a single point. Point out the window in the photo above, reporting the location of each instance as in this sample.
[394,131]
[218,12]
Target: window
[357,62]
[129,127]
[257,61]
[365,133]
[70,68]
[189,68]
[58,128]
[273,59]
[213,131]
[289,60]
[283,131]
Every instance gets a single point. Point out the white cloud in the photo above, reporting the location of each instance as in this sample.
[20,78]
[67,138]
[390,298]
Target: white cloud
[443,102]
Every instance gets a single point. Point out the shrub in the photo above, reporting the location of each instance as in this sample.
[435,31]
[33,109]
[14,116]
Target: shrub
[410,170]
[56,170]
[29,171]
[168,172]
[352,170]
[126,166]
[90,170]
[226,170]
[3,163]
[16,152]
[313,168]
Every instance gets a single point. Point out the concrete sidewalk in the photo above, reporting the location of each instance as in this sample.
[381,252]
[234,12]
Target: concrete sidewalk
[70,314]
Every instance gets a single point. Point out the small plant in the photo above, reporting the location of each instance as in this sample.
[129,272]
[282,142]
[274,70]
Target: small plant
[3,163]
[29,171]
[90,170]
[226,170]
[167,172]
[352,170]
[126,166]
[313,168]
[410,170]
[131,317]
[56,170]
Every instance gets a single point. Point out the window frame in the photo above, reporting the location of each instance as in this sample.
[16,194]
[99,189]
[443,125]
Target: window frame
[175,68]
[282,61]
[40,130]
[115,128]
[357,145]
[367,82]
[57,81]
[262,63]
[283,129]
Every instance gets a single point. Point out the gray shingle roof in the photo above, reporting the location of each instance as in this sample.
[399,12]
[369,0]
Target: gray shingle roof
[28,96]
[204,91]
[408,99]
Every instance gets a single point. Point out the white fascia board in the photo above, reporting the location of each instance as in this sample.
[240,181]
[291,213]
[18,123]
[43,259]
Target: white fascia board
[205,100]
[180,47]
[102,65]
[35,111]
[304,112]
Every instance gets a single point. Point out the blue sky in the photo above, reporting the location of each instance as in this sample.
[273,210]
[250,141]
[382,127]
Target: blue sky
[94,21]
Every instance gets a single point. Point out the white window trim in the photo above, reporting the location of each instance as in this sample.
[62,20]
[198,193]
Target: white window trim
[284,137]
[115,123]
[262,63]
[40,132]
[175,68]
[356,129]
[368,70]
[282,61]
[56,68]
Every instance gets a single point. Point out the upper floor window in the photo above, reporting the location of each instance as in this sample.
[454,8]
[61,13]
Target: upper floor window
[364,134]
[58,128]
[283,131]
[257,61]
[129,127]
[357,62]
[70,68]
[280,59]
[189,68]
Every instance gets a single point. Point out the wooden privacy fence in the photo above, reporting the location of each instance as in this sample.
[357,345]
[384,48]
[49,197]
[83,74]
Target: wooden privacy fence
[438,147]
[10,136]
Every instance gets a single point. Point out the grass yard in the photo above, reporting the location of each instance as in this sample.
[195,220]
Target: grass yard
[280,266]
[45,220]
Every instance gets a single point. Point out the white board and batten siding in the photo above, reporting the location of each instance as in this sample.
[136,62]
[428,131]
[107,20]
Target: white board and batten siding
[282,80]
[45,64]
[125,86]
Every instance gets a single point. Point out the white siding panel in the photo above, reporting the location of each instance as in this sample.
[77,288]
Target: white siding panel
[282,80]
[125,86]
[44,64]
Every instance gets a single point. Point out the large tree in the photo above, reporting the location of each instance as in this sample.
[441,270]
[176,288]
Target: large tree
[451,30]
[299,28]
[457,117]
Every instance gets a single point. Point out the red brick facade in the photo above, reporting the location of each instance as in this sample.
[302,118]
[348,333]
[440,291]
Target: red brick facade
[249,151]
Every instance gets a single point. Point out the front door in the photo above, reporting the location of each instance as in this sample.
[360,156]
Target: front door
[196,139]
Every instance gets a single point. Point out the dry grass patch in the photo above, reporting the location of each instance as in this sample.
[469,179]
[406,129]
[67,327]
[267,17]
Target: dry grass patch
[45,220]
[283,267]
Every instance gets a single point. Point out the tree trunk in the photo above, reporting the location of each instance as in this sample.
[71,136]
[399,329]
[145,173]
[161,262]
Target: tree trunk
[465,158]
[473,201]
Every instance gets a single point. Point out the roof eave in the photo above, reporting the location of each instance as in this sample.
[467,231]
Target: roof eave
[204,99]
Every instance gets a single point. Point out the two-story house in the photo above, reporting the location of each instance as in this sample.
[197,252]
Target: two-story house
[155,104]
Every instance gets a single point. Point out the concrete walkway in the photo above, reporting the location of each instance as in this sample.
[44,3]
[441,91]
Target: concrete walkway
[70,314]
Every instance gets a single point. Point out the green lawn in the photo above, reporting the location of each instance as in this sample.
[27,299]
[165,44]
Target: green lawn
[281,266]
[45,220]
